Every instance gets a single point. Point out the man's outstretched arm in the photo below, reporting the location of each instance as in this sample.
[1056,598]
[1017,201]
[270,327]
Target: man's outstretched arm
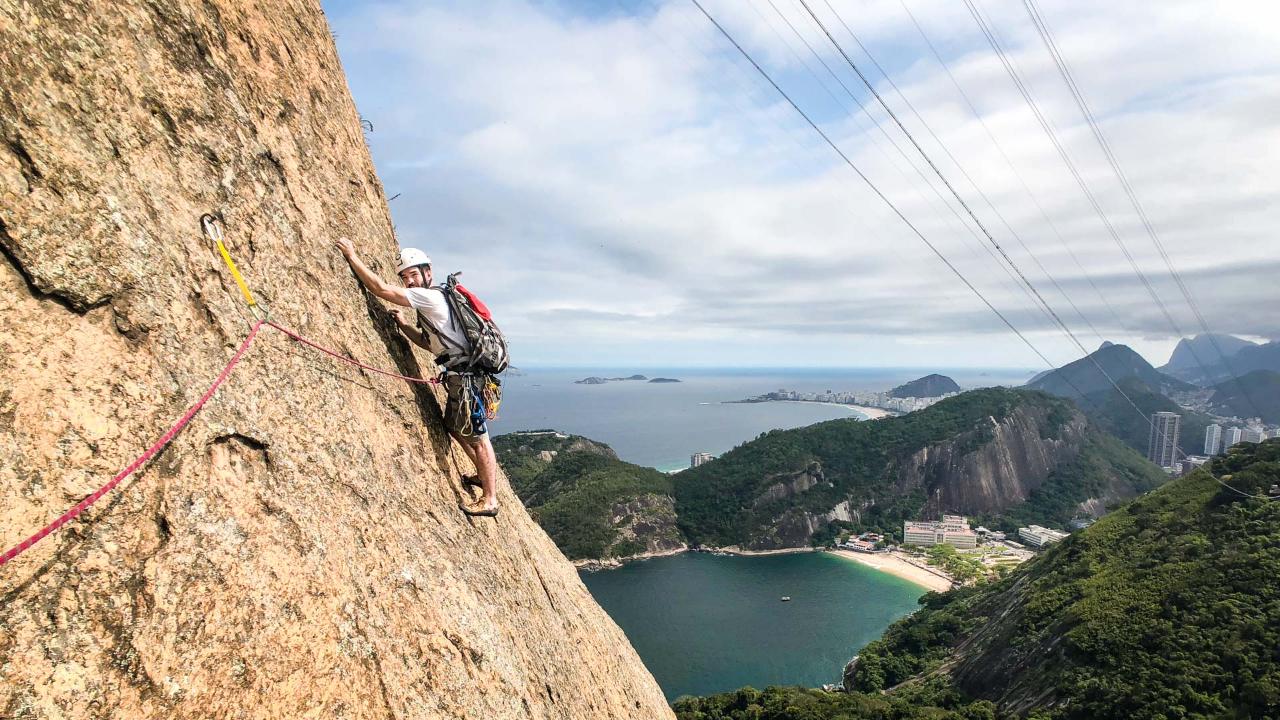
[372,282]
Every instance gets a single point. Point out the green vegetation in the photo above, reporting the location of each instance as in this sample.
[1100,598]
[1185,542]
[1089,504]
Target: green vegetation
[574,493]
[927,386]
[1095,373]
[1169,607]
[719,503]
[1054,503]
[794,703]
[962,568]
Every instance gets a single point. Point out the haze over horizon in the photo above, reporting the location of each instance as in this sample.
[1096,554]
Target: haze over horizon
[626,191]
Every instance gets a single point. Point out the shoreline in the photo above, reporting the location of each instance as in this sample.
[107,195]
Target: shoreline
[894,563]
[869,413]
[897,565]
[617,562]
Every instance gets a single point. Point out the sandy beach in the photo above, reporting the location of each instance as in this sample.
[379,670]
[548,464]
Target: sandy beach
[870,412]
[894,564]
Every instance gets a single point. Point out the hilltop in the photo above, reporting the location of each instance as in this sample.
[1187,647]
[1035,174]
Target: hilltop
[1094,373]
[1241,358]
[593,505]
[928,386]
[993,452]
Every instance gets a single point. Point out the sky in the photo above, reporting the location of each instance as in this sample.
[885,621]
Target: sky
[624,189]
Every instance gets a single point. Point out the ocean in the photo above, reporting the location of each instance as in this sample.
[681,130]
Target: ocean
[661,424]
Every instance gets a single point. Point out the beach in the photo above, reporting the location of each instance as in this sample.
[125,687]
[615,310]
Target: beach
[894,564]
[872,413]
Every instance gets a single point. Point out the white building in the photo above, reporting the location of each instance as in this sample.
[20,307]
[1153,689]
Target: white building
[697,459]
[952,530]
[1191,462]
[1254,435]
[1231,436]
[1037,536]
[1213,440]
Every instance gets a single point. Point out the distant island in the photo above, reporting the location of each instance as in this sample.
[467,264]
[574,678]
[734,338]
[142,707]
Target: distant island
[594,380]
[928,386]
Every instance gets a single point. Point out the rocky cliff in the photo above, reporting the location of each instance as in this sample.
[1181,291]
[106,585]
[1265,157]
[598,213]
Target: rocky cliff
[595,506]
[297,551]
[1016,456]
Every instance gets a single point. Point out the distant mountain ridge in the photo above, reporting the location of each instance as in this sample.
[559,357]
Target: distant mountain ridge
[1139,384]
[1242,358]
[928,386]
[1083,377]
[1190,352]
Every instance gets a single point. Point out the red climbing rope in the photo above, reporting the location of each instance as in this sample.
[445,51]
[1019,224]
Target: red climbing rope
[172,432]
[345,359]
[81,506]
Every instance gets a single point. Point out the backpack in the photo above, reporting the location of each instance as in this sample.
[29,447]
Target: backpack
[488,352]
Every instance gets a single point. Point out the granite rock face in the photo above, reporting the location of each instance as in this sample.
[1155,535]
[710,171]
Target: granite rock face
[297,551]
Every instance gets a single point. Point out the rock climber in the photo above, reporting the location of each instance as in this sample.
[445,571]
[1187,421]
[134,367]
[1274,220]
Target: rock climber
[432,329]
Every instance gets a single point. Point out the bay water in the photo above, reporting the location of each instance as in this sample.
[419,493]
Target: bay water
[706,623]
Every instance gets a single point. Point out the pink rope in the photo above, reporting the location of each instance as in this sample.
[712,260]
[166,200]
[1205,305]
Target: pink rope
[351,361]
[83,505]
[173,431]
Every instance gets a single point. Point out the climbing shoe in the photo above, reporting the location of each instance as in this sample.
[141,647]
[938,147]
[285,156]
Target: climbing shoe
[478,509]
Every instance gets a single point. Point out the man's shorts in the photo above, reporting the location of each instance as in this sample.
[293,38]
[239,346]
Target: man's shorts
[464,410]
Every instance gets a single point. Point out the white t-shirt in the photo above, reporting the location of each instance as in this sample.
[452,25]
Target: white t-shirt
[435,312]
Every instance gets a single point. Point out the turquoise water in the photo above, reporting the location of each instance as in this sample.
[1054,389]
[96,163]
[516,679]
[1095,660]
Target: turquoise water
[706,623]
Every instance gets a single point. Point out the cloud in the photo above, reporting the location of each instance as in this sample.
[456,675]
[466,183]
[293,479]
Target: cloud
[619,184]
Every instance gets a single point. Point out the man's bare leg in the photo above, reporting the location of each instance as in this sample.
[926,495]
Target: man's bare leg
[487,469]
[480,452]
[468,448]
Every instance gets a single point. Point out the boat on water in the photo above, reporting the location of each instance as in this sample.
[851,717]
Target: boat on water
[786,598]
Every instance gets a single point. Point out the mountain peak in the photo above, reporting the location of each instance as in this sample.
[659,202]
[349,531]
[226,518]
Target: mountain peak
[1096,371]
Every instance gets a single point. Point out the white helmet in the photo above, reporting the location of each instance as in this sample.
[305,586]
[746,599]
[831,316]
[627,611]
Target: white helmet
[411,257]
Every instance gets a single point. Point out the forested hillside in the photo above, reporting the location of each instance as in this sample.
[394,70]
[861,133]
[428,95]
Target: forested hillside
[984,452]
[593,505]
[1167,608]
